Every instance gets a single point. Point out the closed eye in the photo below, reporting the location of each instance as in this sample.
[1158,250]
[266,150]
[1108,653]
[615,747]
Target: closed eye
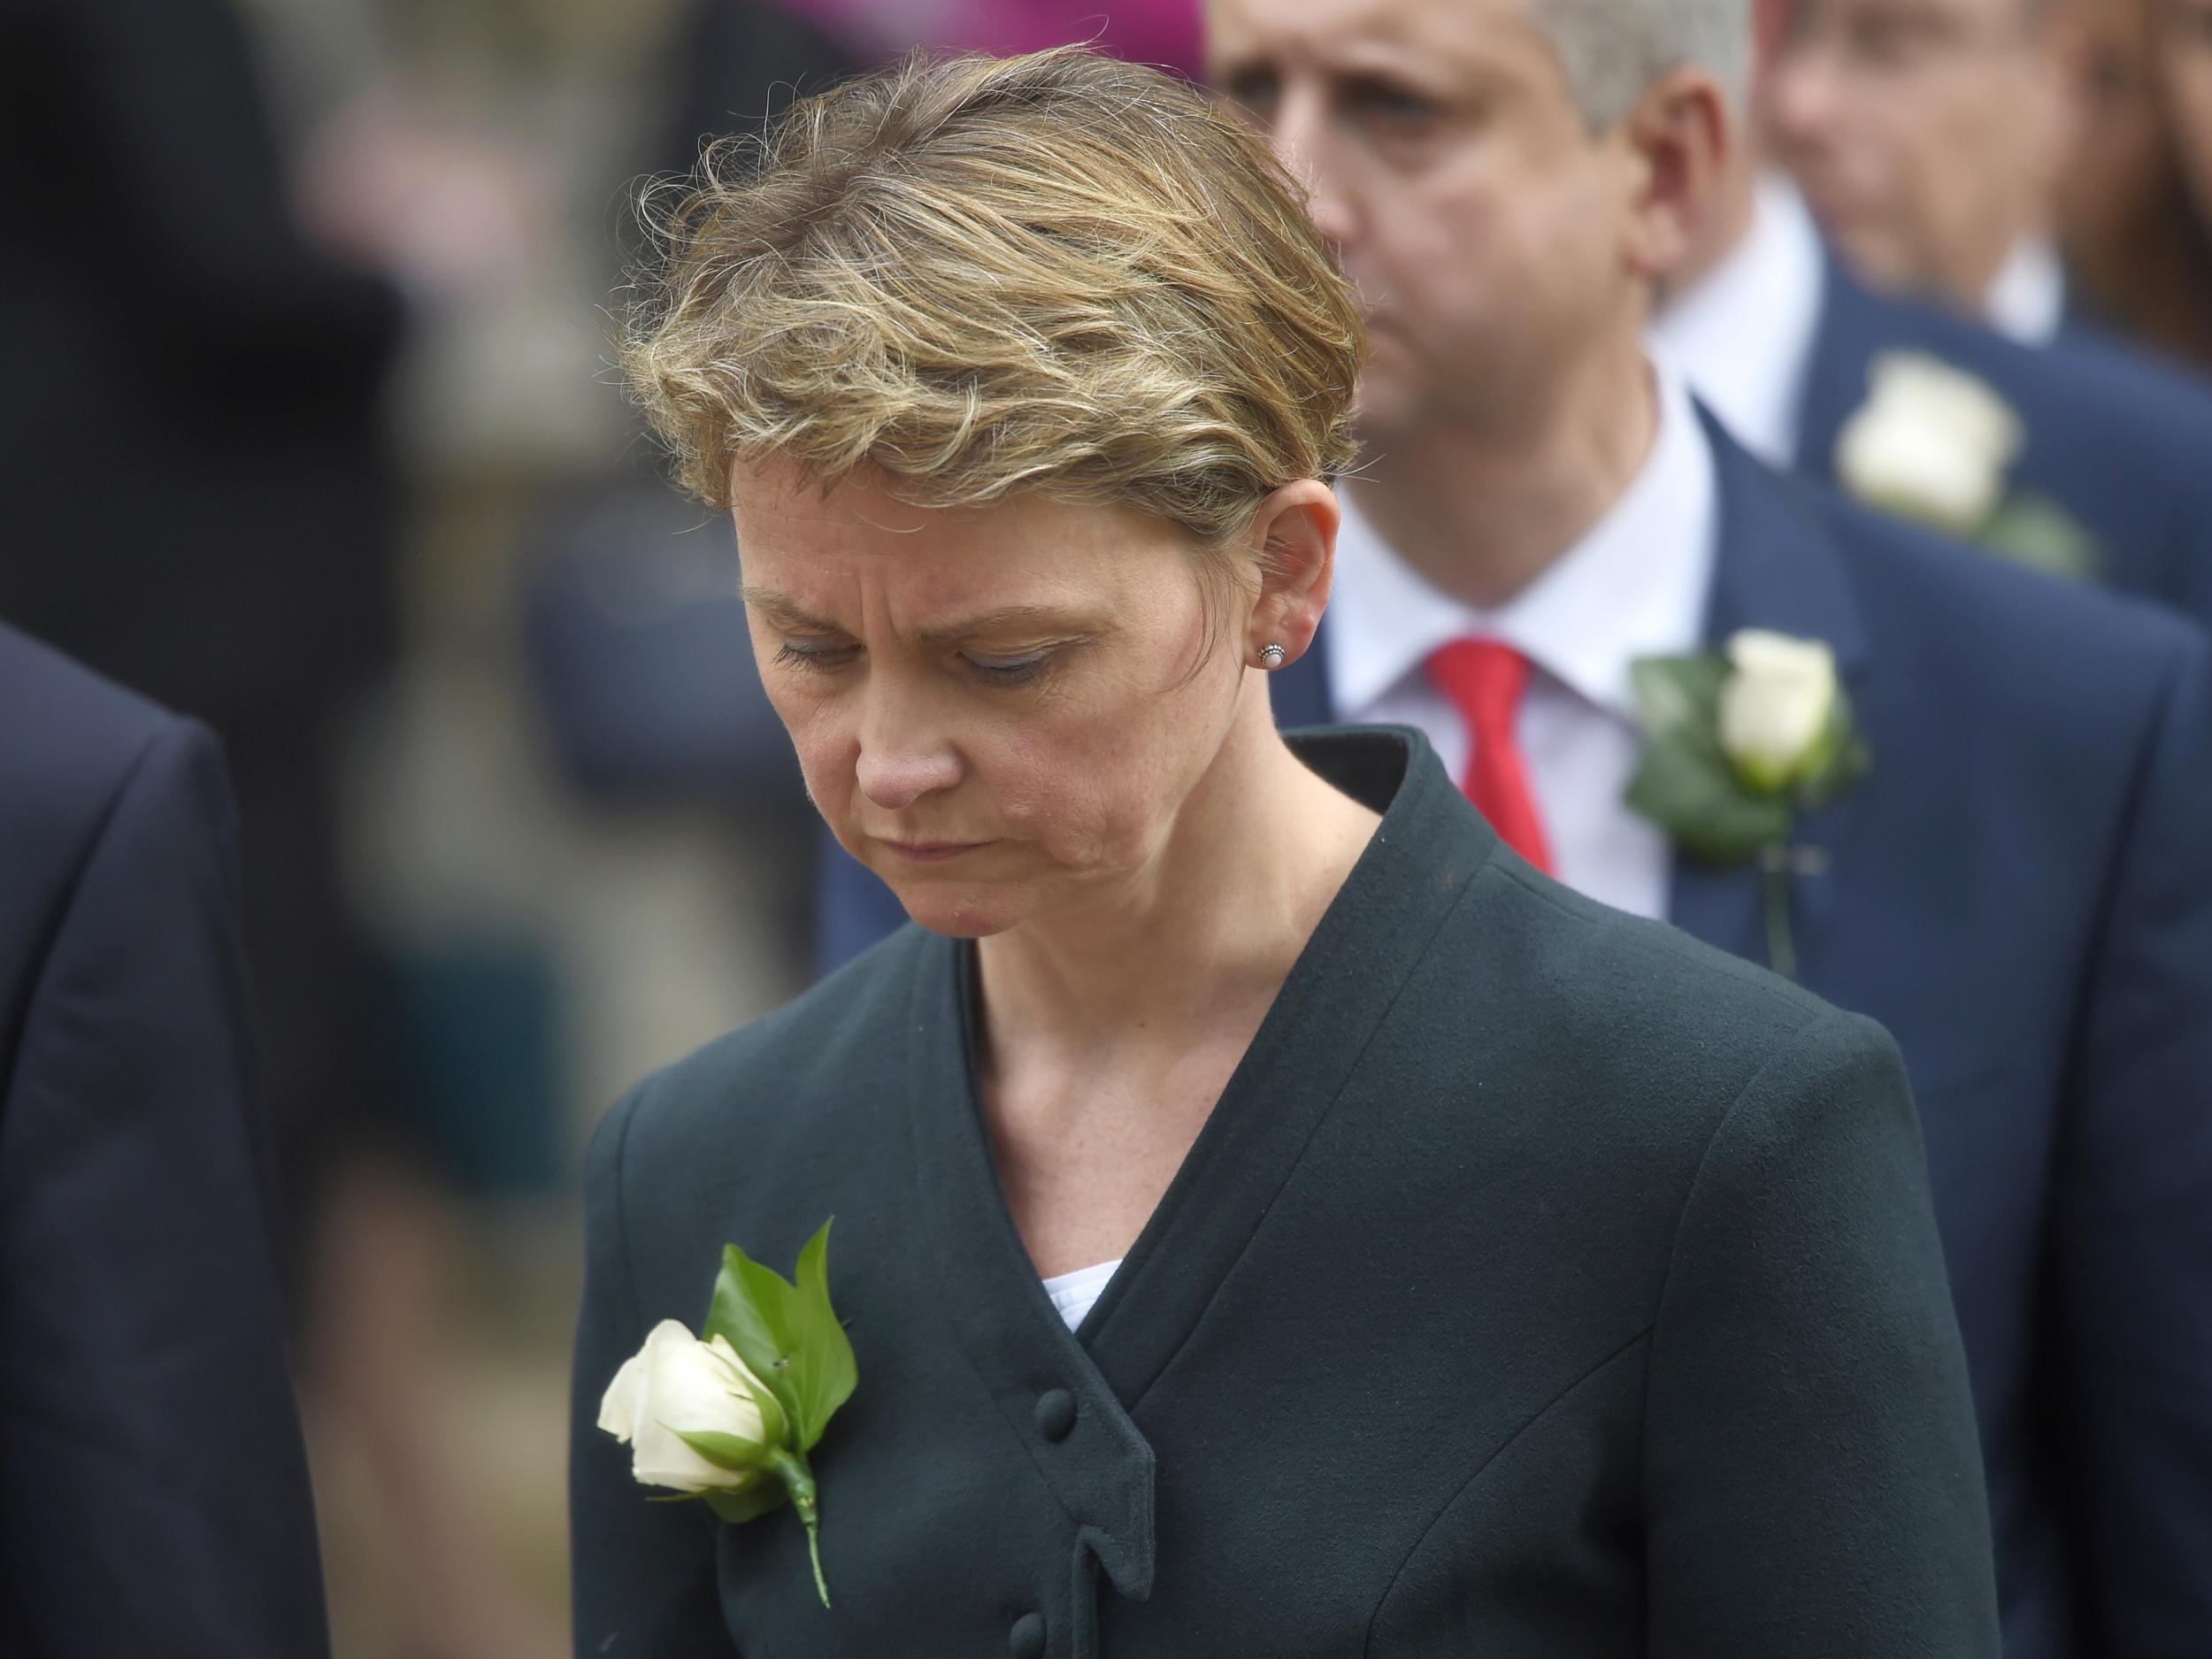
[817,656]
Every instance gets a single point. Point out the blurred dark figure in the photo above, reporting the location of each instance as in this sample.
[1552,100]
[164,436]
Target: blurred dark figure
[153,1489]
[732,63]
[199,500]
[2137,244]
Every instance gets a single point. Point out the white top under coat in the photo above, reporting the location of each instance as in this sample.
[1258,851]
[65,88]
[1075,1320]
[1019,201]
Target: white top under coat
[1073,1294]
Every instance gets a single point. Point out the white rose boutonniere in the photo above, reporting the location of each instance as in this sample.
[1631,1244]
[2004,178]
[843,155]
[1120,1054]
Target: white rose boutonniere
[1737,744]
[1935,445]
[729,1417]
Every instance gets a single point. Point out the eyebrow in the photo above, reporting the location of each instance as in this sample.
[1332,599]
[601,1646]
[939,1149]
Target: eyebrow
[779,610]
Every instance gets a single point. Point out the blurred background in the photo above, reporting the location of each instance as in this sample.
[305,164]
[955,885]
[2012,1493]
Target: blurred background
[317,437]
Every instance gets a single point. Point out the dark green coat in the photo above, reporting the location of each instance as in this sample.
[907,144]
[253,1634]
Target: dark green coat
[1544,1283]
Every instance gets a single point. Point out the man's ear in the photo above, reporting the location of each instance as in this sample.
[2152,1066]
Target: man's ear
[1292,542]
[1681,137]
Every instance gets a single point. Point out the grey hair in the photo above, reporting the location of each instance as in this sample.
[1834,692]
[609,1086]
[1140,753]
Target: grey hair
[1613,49]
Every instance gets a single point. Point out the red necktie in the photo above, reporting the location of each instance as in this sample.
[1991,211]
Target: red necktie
[1485,680]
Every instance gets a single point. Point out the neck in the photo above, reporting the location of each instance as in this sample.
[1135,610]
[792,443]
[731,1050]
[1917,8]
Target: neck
[1480,513]
[1215,919]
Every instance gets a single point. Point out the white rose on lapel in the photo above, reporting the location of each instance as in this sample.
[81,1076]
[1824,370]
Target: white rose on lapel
[675,1386]
[1931,443]
[1777,707]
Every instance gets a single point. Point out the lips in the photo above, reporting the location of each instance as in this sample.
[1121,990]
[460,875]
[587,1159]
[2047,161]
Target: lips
[927,852]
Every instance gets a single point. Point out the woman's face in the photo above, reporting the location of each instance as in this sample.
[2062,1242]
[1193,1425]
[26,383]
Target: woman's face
[1002,710]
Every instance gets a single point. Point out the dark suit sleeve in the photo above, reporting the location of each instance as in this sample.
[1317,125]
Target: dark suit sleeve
[1813,1479]
[853,909]
[642,1572]
[155,1488]
[2133,1257]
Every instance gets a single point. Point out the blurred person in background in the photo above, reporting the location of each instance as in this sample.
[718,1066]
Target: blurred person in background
[2183,53]
[198,492]
[1929,137]
[201,500]
[2137,244]
[153,1488]
[2016,888]
[2076,457]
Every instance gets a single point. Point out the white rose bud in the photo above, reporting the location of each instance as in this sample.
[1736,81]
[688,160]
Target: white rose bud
[674,1382]
[1775,707]
[1930,441]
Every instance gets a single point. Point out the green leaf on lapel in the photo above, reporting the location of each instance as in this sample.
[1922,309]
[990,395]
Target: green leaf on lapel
[1686,783]
[2037,532]
[732,1452]
[789,1334]
[748,1503]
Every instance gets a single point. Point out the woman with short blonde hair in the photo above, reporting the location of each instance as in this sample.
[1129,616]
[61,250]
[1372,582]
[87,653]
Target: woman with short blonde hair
[1272,1218]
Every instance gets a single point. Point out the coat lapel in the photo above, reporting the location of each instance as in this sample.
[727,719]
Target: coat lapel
[1780,568]
[1850,333]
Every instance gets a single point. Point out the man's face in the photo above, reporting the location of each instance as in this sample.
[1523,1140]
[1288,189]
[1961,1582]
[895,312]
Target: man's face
[2185,58]
[1479,215]
[1926,134]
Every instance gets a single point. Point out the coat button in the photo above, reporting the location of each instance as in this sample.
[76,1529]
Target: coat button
[1055,1414]
[1026,1639]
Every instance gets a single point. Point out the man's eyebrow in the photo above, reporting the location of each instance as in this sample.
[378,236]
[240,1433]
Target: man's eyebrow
[779,610]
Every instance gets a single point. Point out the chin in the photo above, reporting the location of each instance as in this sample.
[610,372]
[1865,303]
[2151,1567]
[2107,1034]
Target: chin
[960,912]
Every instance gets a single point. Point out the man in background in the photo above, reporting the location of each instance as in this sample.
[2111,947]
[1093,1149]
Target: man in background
[1929,137]
[2076,456]
[153,1489]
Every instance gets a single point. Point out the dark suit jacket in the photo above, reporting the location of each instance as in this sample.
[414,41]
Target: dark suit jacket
[2021,892]
[1543,1283]
[2122,442]
[153,1489]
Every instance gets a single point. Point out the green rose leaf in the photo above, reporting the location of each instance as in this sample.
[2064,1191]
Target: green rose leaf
[1686,783]
[2037,532]
[732,1452]
[755,1500]
[789,1335]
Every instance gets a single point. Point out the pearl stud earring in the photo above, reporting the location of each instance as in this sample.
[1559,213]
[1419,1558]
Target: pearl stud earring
[1271,656]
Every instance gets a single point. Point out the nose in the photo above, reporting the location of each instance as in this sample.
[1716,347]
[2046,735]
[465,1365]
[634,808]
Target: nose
[1798,92]
[901,757]
[1298,135]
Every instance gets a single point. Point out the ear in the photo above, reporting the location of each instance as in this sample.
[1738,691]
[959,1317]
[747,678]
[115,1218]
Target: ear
[1292,542]
[1681,137]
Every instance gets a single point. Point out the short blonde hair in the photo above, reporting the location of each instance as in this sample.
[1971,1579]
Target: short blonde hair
[1056,272]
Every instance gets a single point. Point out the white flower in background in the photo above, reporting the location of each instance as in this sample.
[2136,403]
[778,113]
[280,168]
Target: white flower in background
[1931,443]
[1777,708]
[678,1383]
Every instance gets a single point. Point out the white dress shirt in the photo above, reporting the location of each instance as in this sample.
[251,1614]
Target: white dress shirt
[2028,298]
[1743,337]
[1634,586]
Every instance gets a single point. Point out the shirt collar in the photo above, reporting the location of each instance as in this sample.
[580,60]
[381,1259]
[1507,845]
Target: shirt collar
[2028,298]
[1634,585]
[1743,336]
